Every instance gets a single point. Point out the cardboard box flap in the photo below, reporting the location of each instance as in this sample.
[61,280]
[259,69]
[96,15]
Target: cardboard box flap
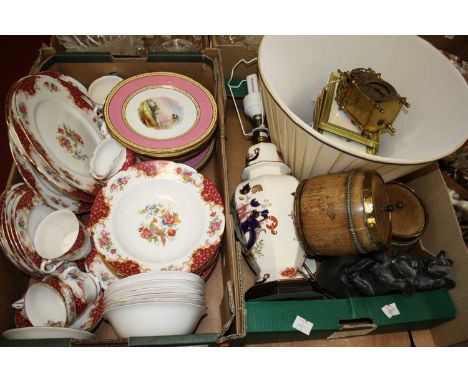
[233,300]
[231,54]
[239,296]
[227,307]
[445,235]
[358,322]
[353,328]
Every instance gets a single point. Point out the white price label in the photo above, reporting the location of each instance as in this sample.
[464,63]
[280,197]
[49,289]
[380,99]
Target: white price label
[390,310]
[302,325]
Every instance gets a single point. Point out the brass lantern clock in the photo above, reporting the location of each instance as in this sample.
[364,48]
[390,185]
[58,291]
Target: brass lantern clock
[371,103]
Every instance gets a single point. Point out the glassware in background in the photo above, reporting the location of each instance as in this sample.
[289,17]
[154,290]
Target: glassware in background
[251,42]
[456,165]
[231,40]
[462,66]
[179,43]
[115,44]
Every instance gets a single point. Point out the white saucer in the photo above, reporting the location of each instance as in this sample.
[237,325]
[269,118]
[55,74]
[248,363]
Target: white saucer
[39,332]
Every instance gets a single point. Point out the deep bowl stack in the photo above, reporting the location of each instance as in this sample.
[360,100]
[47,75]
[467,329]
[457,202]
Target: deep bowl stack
[155,304]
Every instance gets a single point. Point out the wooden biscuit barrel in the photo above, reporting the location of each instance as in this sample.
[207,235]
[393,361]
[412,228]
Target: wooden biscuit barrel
[342,214]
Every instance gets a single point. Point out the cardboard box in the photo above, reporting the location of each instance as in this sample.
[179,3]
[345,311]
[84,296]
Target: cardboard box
[225,318]
[270,321]
[231,54]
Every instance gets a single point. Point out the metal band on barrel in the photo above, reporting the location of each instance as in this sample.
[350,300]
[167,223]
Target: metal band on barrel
[349,211]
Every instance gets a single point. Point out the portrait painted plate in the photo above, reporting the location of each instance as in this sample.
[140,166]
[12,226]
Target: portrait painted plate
[161,114]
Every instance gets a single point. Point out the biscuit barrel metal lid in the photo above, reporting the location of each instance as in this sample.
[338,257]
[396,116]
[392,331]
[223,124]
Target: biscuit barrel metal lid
[409,214]
[161,114]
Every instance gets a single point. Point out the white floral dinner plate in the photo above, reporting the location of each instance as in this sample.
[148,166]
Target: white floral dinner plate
[59,121]
[38,332]
[157,216]
[45,171]
[31,154]
[77,84]
[42,187]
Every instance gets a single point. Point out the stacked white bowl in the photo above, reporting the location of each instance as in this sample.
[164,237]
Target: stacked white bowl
[155,304]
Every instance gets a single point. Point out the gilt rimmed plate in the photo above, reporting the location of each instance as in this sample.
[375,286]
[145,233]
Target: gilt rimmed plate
[23,257]
[30,153]
[157,216]
[59,121]
[58,75]
[197,159]
[43,188]
[200,159]
[161,114]
[43,169]
[47,173]
[27,215]
[9,251]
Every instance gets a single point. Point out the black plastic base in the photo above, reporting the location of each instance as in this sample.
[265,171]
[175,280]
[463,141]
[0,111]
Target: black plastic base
[283,290]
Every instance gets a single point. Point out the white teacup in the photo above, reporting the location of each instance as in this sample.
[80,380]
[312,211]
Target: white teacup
[59,237]
[85,286]
[109,158]
[101,87]
[48,303]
